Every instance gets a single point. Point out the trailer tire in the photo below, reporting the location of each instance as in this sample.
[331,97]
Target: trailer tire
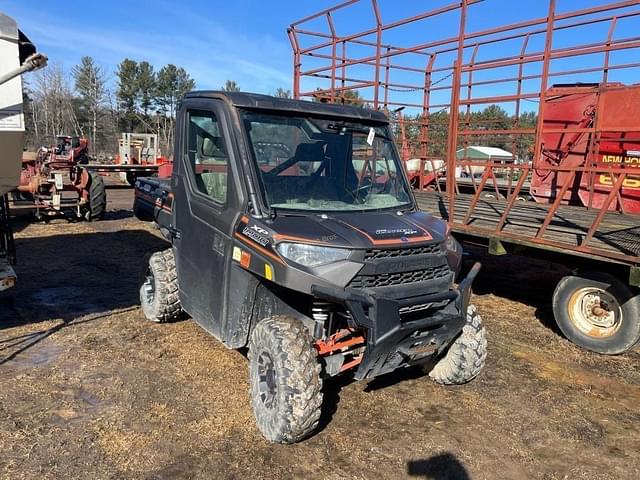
[597,311]
[97,197]
[159,295]
[284,377]
[466,356]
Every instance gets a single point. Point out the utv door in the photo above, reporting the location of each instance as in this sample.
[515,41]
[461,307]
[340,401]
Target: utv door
[206,204]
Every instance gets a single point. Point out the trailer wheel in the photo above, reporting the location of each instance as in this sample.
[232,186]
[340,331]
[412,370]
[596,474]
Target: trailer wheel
[597,311]
[284,374]
[159,290]
[466,356]
[97,198]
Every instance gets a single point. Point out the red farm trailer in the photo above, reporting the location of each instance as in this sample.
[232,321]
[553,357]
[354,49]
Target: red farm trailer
[558,88]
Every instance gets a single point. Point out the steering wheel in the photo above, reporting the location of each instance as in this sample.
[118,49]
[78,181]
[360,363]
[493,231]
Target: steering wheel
[361,192]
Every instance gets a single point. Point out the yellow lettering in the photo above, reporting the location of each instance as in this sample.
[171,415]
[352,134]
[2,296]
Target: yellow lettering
[629,182]
[605,180]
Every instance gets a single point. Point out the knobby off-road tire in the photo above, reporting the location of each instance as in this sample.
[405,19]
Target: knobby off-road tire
[159,290]
[466,356]
[284,375]
[97,197]
[597,311]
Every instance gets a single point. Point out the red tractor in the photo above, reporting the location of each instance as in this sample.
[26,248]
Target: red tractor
[53,182]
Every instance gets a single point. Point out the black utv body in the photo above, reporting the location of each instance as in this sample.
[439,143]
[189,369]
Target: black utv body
[294,233]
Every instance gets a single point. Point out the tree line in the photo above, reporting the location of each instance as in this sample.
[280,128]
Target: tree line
[491,118]
[436,125]
[90,102]
[87,101]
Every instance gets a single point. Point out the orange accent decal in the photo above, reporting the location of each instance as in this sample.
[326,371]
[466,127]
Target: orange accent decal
[244,219]
[292,238]
[392,241]
[155,201]
[260,248]
[427,235]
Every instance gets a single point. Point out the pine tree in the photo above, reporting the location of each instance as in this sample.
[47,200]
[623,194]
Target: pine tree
[90,84]
[146,83]
[171,85]
[128,91]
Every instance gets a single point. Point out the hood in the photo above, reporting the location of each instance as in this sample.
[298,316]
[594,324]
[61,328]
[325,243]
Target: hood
[359,230]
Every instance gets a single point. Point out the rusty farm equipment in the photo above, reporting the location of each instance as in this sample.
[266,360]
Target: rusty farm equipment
[55,181]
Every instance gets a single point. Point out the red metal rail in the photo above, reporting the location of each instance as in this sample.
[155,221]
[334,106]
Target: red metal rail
[440,82]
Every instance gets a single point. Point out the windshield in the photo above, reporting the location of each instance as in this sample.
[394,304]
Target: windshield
[318,164]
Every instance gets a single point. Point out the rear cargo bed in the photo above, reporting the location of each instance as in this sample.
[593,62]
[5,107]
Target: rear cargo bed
[153,200]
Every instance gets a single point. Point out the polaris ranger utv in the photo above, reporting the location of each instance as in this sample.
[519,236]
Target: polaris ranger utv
[294,233]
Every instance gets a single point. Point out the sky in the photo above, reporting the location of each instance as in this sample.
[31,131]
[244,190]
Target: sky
[213,40]
[246,40]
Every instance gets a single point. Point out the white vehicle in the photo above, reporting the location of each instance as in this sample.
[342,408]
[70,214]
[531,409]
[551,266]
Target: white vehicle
[17,56]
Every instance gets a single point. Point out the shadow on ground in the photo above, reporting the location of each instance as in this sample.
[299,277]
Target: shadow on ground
[445,466]
[521,279]
[68,276]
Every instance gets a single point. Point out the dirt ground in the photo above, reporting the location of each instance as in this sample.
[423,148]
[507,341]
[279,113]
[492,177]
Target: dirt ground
[89,389]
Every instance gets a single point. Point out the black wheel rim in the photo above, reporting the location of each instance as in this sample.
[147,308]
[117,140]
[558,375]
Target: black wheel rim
[267,384]
[149,287]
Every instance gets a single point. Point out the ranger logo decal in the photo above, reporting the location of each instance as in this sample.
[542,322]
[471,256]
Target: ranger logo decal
[252,233]
[259,229]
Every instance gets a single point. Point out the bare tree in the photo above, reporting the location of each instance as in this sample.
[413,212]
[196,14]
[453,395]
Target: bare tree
[52,110]
[230,86]
[282,93]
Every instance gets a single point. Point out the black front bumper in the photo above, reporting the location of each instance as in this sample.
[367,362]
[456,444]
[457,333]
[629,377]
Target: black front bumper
[395,339]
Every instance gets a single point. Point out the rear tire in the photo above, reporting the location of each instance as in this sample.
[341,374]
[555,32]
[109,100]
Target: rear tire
[97,197]
[284,373]
[159,290]
[597,311]
[466,356]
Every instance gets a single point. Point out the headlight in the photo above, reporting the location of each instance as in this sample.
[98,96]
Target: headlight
[312,255]
[452,244]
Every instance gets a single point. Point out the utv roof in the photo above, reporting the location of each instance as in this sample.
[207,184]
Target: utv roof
[266,102]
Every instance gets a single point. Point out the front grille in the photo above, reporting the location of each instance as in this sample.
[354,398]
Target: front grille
[402,252]
[401,278]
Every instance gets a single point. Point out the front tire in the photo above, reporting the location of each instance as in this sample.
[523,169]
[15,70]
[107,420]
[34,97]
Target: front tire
[466,356]
[286,388]
[159,290]
[598,312]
